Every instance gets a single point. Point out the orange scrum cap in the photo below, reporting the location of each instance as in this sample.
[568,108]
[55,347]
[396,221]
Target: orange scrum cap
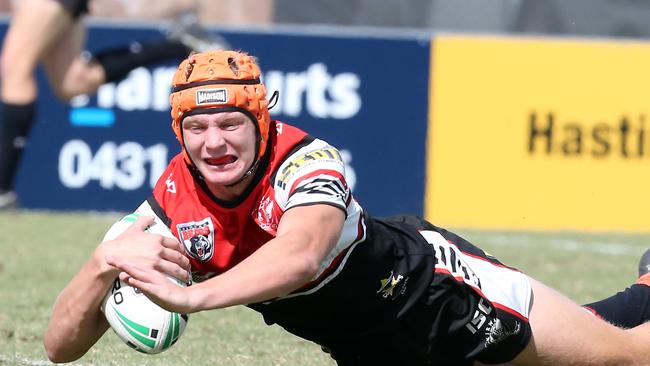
[219,80]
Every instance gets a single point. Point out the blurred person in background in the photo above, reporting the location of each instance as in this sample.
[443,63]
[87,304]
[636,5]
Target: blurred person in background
[52,32]
[207,12]
[5,6]
[263,216]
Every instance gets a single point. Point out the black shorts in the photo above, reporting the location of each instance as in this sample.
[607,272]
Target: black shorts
[76,8]
[486,303]
[474,309]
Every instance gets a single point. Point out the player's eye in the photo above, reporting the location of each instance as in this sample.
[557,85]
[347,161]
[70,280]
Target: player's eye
[194,127]
[230,125]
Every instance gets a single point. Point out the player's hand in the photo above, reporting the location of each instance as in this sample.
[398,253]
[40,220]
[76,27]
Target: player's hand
[146,250]
[154,284]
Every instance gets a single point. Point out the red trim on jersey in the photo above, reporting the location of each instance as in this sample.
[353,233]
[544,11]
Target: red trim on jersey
[445,271]
[500,265]
[493,262]
[335,263]
[478,291]
[508,310]
[315,174]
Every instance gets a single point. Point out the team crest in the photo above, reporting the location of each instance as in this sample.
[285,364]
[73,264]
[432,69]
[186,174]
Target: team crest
[393,286]
[198,238]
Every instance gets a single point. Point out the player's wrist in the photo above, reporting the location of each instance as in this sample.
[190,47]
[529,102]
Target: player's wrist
[100,267]
[197,299]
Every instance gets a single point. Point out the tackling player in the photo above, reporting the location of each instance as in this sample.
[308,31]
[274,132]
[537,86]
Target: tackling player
[264,217]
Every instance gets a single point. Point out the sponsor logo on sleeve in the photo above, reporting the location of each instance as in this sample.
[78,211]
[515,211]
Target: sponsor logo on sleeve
[327,154]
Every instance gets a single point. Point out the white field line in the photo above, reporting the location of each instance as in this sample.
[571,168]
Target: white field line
[24,361]
[30,362]
[600,247]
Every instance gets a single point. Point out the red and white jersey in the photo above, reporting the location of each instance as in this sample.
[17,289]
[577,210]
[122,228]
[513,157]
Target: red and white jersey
[296,170]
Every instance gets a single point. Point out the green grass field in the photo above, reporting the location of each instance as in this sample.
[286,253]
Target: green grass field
[40,251]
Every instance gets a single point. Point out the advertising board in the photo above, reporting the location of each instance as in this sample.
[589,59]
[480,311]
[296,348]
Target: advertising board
[539,134]
[365,95]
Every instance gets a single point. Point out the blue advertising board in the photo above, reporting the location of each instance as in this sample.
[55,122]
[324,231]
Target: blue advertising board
[365,95]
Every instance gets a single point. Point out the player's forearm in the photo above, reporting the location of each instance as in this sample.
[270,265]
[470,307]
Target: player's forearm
[284,264]
[77,322]
[274,270]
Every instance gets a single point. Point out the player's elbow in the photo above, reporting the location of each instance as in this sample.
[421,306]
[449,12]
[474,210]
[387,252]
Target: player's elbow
[56,356]
[57,352]
[307,268]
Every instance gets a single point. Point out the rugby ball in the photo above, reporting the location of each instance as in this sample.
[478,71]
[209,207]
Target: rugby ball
[138,321]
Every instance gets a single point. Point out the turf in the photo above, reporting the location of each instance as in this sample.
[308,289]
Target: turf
[40,251]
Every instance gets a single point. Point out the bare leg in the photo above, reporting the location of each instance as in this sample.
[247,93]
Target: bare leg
[566,334]
[256,12]
[642,330]
[69,73]
[35,26]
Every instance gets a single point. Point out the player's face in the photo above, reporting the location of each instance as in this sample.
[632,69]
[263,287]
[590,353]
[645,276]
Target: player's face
[222,146]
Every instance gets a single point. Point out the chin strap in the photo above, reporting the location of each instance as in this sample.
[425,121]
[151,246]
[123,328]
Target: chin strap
[248,173]
[250,170]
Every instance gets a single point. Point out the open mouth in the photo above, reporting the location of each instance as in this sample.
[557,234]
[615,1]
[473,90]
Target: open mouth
[221,161]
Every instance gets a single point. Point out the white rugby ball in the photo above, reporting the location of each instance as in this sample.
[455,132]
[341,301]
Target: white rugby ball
[138,321]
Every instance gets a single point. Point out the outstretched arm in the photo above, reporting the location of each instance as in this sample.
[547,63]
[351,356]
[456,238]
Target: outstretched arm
[306,234]
[77,321]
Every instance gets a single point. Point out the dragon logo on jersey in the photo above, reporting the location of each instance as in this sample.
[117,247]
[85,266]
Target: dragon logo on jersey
[264,216]
[198,238]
